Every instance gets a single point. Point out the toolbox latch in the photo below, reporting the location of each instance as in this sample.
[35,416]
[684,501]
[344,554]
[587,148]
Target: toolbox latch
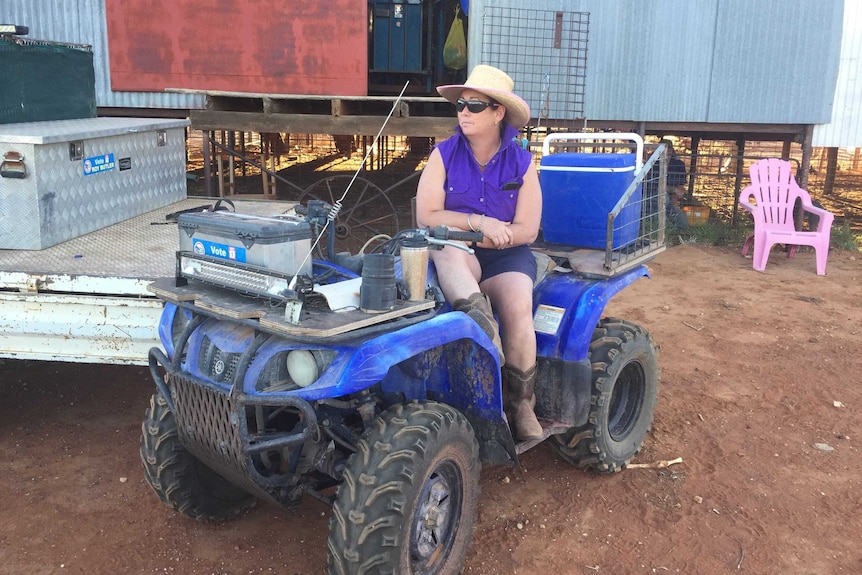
[13,166]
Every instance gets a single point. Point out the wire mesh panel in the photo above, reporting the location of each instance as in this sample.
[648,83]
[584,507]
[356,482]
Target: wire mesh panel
[603,210]
[545,52]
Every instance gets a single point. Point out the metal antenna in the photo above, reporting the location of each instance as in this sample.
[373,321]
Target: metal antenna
[333,212]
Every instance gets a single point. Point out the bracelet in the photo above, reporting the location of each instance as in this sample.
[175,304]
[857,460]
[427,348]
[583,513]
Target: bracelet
[481,223]
[472,229]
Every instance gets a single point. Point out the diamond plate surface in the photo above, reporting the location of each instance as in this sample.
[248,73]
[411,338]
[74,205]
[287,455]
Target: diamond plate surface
[142,247]
[57,201]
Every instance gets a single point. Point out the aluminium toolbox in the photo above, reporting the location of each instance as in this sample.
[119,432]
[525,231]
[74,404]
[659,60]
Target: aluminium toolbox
[65,178]
[579,190]
[276,244]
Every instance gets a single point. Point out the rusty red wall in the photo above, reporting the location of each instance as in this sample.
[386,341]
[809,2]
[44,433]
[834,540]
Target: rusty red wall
[263,46]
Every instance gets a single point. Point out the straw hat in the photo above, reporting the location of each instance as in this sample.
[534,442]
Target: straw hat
[495,84]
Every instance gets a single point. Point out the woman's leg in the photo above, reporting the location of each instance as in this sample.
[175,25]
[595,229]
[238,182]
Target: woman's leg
[457,271]
[511,295]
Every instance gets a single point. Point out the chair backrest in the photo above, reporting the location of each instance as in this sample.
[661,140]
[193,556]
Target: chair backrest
[775,191]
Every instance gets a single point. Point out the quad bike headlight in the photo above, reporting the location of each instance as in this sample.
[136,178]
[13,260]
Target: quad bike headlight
[304,366]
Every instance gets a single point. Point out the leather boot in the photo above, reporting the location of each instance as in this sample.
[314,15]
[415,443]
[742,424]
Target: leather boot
[519,400]
[478,307]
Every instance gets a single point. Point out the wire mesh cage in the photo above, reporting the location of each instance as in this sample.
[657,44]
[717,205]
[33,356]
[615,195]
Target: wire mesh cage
[604,208]
[545,52]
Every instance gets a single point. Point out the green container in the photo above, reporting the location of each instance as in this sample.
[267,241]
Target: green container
[45,81]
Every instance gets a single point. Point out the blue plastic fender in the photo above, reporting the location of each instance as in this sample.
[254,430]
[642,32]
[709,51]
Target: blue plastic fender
[574,306]
[447,357]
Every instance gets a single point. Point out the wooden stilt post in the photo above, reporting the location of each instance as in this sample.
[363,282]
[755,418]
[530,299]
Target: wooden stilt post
[831,168]
[804,168]
[692,165]
[737,185]
[206,151]
[802,177]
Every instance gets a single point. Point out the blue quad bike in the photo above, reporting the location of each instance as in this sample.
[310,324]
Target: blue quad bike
[274,385]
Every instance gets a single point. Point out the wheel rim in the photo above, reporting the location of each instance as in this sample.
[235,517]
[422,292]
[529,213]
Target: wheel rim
[367,211]
[435,523]
[626,401]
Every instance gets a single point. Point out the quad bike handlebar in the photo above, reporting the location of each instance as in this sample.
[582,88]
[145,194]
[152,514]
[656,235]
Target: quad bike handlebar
[439,237]
[317,212]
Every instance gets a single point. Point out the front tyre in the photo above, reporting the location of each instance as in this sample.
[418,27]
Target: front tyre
[180,479]
[625,388]
[408,500]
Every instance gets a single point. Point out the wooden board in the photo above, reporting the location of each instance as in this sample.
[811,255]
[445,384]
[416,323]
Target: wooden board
[591,262]
[336,323]
[317,323]
[210,298]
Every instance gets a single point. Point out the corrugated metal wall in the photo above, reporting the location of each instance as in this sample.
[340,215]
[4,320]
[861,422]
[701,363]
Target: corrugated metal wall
[666,60]
[845,126]
[83,22]
[770,61]
[776,61]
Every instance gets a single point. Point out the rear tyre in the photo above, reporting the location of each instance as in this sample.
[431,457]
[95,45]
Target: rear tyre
[408,500]
[181,480]
[625,388]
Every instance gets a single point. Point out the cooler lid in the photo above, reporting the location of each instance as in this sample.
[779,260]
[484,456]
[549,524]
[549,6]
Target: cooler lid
[583,162]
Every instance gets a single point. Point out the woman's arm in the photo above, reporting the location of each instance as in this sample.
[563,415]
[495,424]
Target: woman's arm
[430,211]
[528,211]
[431,198]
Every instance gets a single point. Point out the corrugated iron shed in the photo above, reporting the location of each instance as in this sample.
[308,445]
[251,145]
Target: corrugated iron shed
[83,22]
[666,63]
[845,126]
[707,61]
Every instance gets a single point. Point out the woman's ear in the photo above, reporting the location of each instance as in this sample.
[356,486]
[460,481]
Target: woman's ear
[500,113]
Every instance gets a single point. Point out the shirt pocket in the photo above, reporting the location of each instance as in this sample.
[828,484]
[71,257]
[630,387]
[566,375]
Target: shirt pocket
[511,185]
[457,186]
[458,196]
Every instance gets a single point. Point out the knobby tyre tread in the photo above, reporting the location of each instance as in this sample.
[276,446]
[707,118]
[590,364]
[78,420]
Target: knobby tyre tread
[377,508]
[625,380]
[180,480]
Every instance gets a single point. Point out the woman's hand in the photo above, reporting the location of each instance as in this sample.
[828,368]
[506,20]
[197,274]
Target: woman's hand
[497,234]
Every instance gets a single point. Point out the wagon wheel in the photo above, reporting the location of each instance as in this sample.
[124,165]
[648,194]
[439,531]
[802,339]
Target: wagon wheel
[366,212]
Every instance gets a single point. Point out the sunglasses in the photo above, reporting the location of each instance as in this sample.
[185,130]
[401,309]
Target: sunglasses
[475,106]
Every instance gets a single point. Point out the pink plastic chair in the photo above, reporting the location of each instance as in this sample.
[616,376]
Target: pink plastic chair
[774,192]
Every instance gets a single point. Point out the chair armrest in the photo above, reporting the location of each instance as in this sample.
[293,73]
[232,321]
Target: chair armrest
[747,205]
[826,216]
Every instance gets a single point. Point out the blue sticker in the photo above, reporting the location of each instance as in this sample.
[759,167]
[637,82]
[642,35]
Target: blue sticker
[222,251]
[98,164]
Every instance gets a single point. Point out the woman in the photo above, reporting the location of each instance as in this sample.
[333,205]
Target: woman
[481,179]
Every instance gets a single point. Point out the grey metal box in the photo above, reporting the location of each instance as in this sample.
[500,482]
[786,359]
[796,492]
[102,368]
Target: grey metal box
[78,176]
[276,244]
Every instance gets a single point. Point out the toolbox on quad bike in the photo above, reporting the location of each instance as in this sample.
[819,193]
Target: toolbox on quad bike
[276,244]
[579,190]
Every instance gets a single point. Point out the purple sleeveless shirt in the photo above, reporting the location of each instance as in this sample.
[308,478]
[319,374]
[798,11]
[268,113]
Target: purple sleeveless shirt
[470,190]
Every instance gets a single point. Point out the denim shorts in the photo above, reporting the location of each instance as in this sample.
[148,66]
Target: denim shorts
[515,259]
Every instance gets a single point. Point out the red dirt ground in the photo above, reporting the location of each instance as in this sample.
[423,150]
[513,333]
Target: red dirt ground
[758,370]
